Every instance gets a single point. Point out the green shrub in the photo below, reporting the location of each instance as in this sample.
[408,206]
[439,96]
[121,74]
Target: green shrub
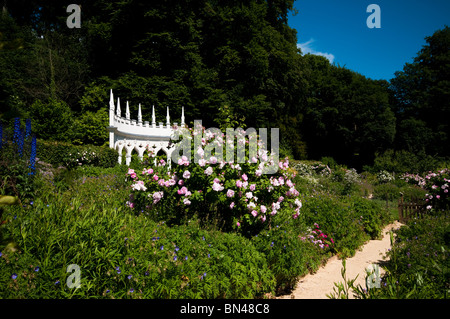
[336,219]
[373,216]
[121,255]
[52,120]
[386,191]
[89,128]
[71,156]
[287,255]
[400,162]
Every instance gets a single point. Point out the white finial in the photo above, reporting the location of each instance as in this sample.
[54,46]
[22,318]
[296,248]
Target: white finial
[139,114]
[111,100]
[118,107]
[153,116]
[127,112]
[168,117]
[182,115]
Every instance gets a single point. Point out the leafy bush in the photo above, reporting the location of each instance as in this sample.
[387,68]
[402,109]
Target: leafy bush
[288,256]
[124,256]
[89,128]
[347,179]
[337,220]
[71,156]
[52,120]
[373,217]
[350,220]
[386,191]
[401,162]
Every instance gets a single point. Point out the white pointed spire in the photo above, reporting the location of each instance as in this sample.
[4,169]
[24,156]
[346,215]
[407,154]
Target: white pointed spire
[153,116]
[182,115]
[139,114]
[168,117]
[111,100]
[118,107]
[127,112]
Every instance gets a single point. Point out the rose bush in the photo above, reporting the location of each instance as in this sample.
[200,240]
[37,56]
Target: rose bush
[437,185]
[233,195]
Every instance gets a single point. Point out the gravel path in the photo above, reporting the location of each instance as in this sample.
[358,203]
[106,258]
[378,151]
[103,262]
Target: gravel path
[321,283]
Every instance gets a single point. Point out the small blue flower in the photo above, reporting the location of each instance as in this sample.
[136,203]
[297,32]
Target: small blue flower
[36,269]
[107,291]
[177,248]
[14,276]
[162,247]
[186,258]
[129,276]
[57,282]
[131,290]
[175,258]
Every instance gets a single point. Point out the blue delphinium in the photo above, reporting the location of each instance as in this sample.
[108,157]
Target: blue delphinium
[33,156]
[18,137]
[20,144]
[27,129]
[16,130]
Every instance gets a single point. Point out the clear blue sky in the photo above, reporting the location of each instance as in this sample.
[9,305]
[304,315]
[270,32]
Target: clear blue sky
[337,29]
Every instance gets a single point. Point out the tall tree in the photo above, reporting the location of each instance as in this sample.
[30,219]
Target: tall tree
[422,98]
[347,116]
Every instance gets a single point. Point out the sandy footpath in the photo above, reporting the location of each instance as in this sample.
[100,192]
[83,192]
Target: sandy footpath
[321,283]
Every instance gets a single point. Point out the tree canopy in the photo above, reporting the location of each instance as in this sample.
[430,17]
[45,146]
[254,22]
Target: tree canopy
[210,56]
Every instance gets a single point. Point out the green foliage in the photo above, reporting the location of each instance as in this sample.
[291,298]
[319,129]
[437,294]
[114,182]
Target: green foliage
[336,118]
[421,98]
[52,120]
[287,255]
[417,266]
[373,216]
[71,156]
[400,162]
[122,255]
[90,128]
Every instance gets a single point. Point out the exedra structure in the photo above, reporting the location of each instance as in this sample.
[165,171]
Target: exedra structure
[137,135]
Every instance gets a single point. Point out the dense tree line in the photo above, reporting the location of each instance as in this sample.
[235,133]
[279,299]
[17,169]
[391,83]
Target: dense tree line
[208,56]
